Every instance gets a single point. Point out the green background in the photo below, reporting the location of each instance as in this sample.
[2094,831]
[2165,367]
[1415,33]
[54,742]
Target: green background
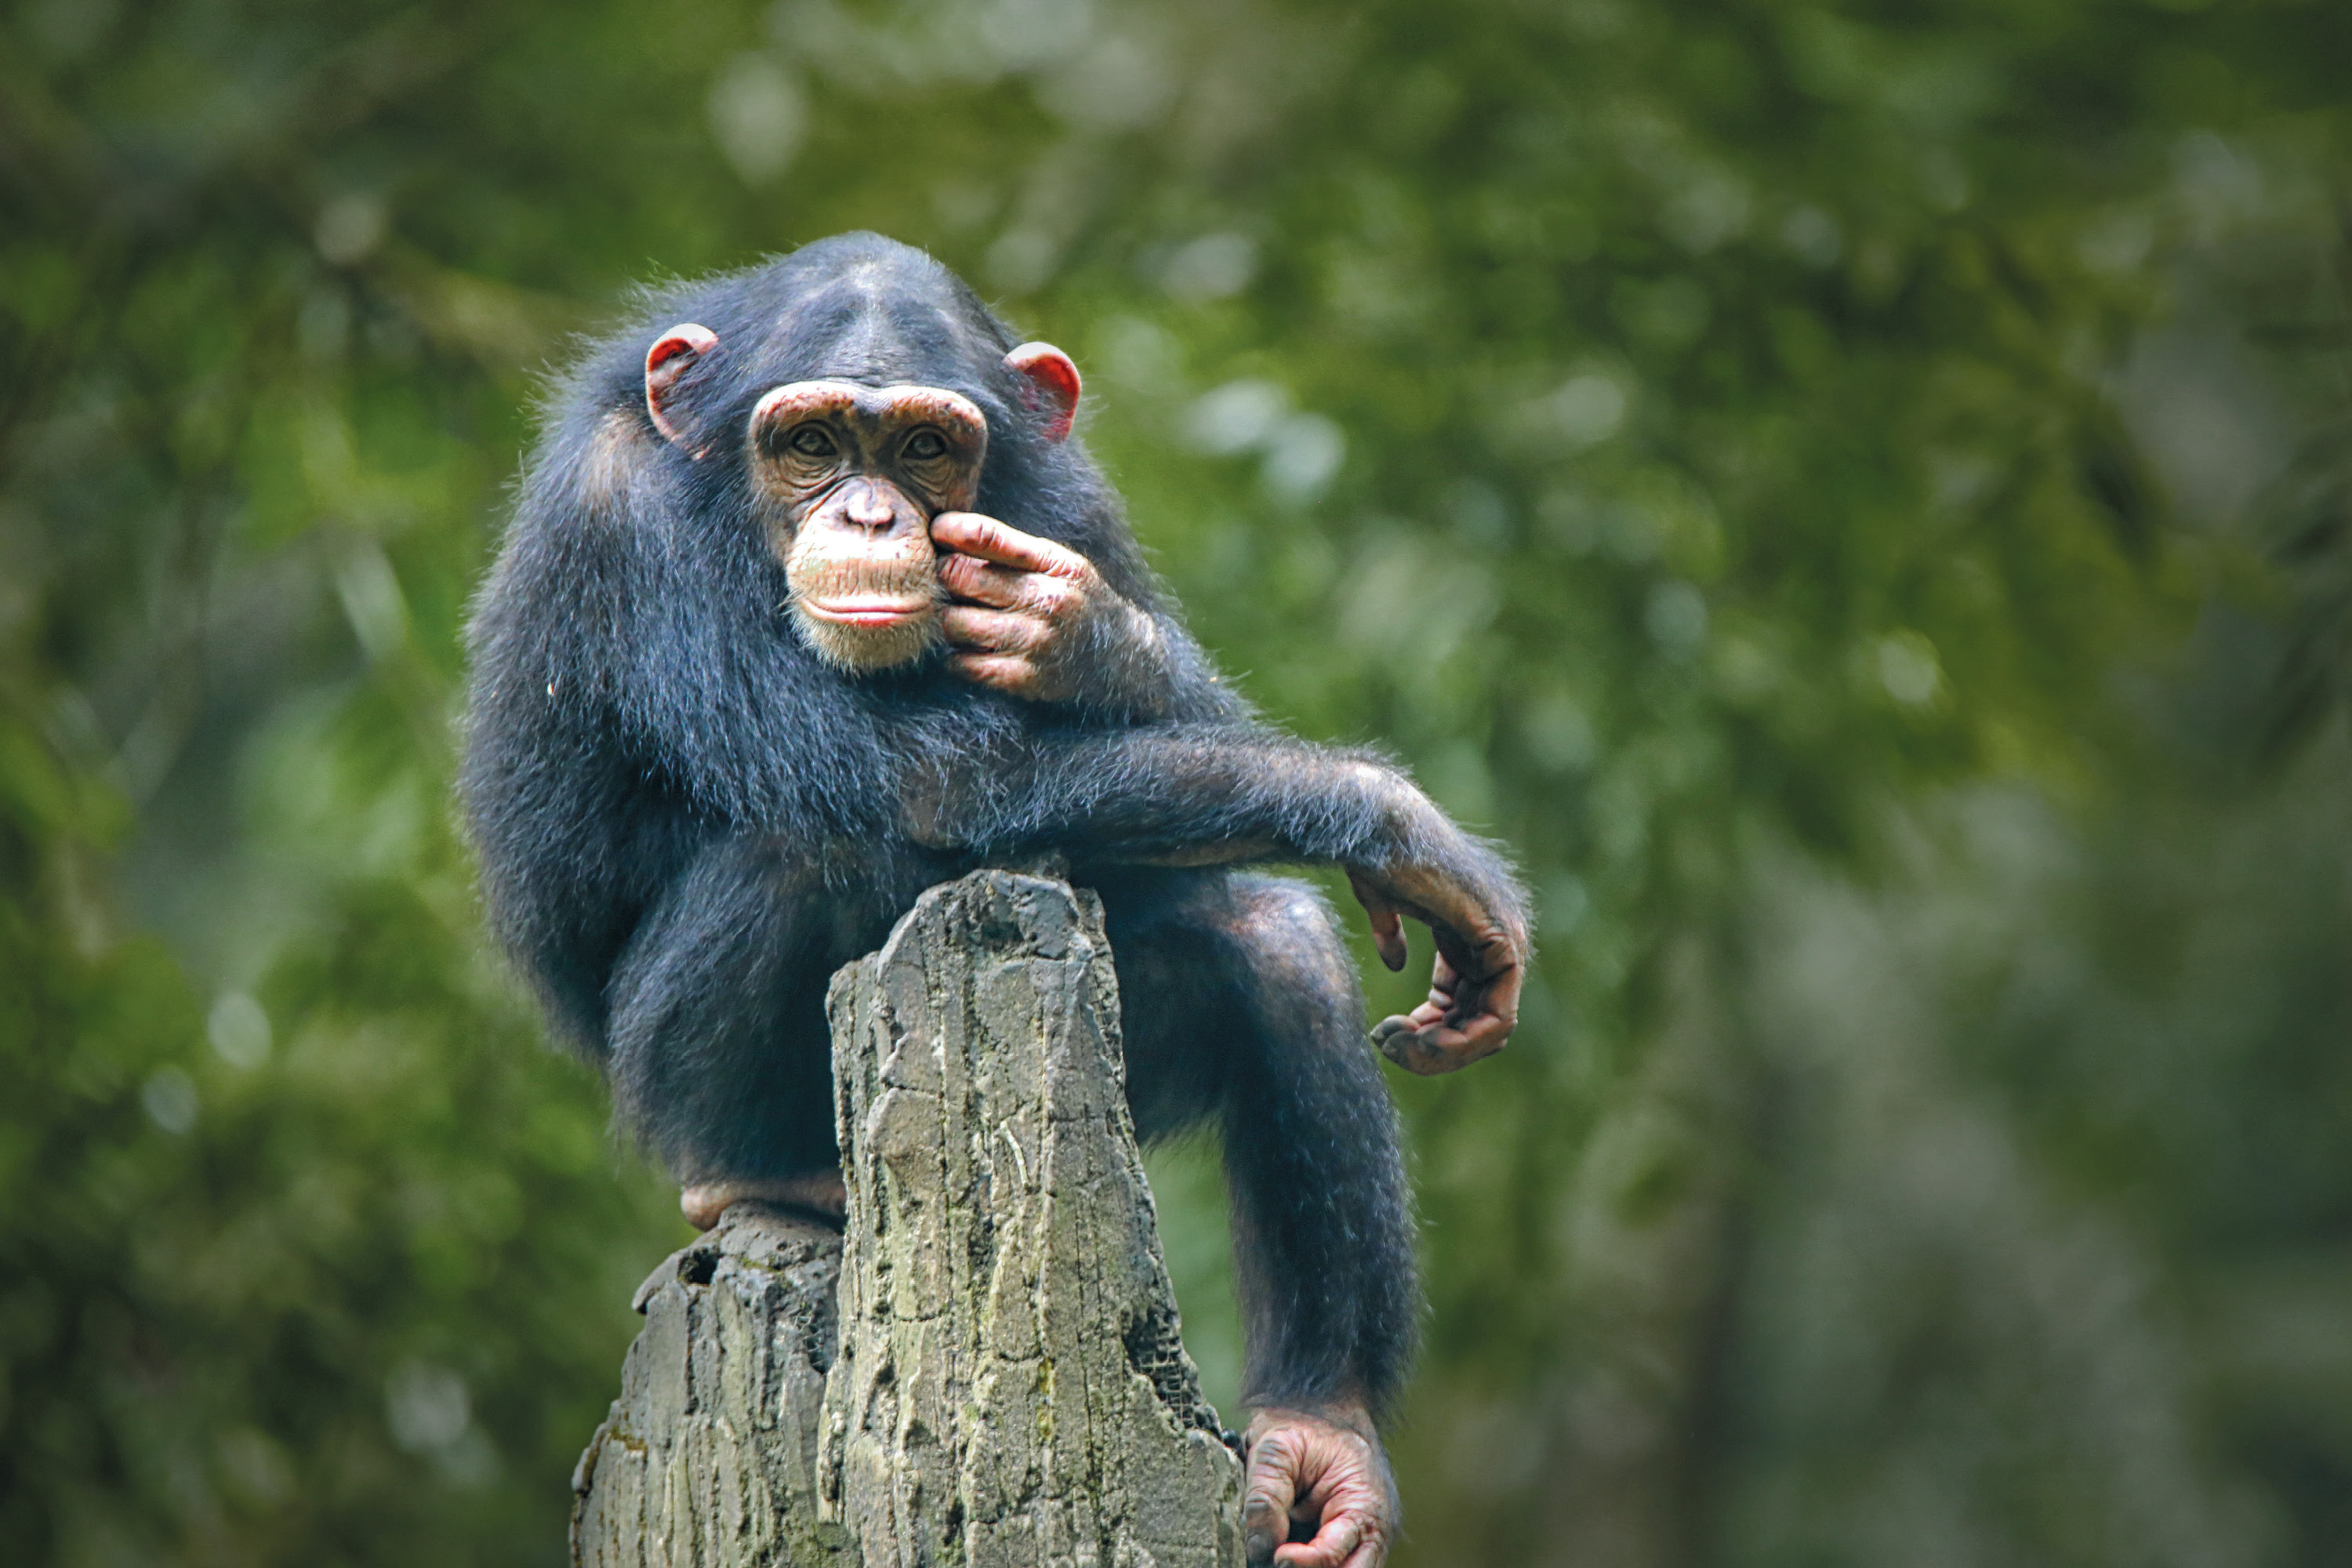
[1858,495]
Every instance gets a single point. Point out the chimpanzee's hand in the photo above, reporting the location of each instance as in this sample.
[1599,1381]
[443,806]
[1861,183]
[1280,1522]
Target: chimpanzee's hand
[1030,617]
[1482,958]
[1321,1473]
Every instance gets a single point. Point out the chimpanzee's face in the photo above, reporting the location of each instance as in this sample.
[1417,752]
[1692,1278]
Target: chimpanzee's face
[852,476]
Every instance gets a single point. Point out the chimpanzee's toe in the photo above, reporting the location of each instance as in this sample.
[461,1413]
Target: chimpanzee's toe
[819,1192]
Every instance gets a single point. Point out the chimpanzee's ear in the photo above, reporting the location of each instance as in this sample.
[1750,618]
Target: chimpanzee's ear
[674,354]
[1053,384]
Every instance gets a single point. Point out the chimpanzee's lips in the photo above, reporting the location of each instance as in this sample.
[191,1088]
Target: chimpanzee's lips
[867,609]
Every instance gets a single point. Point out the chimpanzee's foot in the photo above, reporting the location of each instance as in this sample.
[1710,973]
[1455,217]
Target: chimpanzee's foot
[820,1191]
[1321,1494]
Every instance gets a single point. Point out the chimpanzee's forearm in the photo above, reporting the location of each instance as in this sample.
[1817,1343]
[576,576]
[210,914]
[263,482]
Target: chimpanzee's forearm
[1200,794]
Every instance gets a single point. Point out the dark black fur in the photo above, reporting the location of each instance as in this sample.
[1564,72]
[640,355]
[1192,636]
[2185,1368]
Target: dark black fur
[686,823]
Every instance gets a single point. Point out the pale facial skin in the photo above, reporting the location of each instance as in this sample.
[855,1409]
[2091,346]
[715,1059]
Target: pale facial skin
[871,489]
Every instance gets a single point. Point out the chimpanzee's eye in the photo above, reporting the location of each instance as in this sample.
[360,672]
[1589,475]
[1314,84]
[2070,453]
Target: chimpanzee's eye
[813,441]
[925,445]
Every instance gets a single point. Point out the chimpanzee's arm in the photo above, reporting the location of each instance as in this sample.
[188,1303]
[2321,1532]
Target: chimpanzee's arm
[571,849]
[1200,794]
[576,837]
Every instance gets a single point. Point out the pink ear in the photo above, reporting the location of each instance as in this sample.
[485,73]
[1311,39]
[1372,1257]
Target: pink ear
[674,354]
[1053,384]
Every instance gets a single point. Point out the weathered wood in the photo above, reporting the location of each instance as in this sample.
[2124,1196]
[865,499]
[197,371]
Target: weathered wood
[1009,1386]
[708,1457]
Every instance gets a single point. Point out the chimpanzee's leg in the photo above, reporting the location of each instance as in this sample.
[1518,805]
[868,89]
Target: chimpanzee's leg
[720,1058]
[1240,1000]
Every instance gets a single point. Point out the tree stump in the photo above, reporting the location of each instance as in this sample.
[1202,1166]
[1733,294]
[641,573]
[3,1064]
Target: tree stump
[1006,1384]
[708,1459]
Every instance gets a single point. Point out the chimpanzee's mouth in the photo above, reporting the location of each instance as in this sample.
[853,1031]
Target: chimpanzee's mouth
[862,614]
[866,609]
[865,592]
[867,612]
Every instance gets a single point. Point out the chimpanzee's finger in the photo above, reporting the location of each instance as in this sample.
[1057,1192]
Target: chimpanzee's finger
[1040,594]
[972,534]
[994,631]
[1473,1039]
[1500,998]
[998,671]
[1479,1001]
[1335,1542]
[970,577]
[1414,1047]
[1483,983]
[1396,1037]
[1457,959]
[1487,960]
[1388,928]
[1272,1485]
[1430,1050]
[1459,1023]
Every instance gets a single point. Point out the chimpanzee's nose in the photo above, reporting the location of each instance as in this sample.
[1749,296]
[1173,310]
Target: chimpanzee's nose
[868,505]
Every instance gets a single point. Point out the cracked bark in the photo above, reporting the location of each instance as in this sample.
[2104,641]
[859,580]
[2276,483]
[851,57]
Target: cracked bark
[1006,1384]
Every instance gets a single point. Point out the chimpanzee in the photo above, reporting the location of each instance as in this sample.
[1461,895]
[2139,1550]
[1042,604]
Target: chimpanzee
[810,602]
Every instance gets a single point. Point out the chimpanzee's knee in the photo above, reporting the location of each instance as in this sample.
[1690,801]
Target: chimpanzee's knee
[1301,1067]
[1218,975]
[1288,939]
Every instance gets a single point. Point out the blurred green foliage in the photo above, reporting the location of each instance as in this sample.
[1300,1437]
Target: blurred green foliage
[1855,494]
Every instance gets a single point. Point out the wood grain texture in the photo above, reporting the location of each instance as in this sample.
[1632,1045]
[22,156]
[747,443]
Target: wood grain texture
[1005,1384]
[708,1457]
